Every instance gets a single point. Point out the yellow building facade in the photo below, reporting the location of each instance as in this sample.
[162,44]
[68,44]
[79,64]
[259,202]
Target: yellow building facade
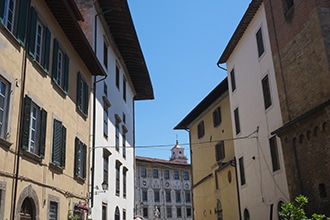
[212,156]
[45,84]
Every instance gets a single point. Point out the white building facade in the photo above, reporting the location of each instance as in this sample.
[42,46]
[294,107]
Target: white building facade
[256,113]
[116,45]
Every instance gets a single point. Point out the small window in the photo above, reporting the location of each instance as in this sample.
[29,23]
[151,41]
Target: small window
[188,212]
[117,135]
[185,175]
[232,80]
[220,151]
[60,72]
[274,153]
[124,214]
[322,190]
[145,212]
[106,166]
[176,174]
[4,106]
[124,182]
[144,195]
[117,76]
[188,198]
[143,172]
[156,196]
[168,196]
[178,212]
[53,211]
[237,122]
[59,144]
[155,173]
[260,42]
[104,211]
[124,89]
[105,120]
[178,197]
[80,162]
[169,212]
[118,164]
[216,117]
[124,144]
[105,53]
[82,94]
[166,174]
[105,89]
[242,170]
[200,129]
[34,128]
[266,92]
[246,214]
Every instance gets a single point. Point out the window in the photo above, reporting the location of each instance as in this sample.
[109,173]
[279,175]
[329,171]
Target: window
[177,197]
[155,173]
[34,128]
[117,76]
[104,211]
[145,212]
[176,174]
[53,210]
[288,4]
[200,129]
[106,166]
[124,144]
[322,190]
[59,144]
[246,214]
[169,212]
[124,181]
[105,54]
[60,71]
[124,89]
[80,159]
[279,209]
[166,174]
[266,92]
[216,117]
[117,135]
[241,170]
[4,105]
[168,196]
[232,80]
[118,164]
[144,195]
[105,90]
[143,172]
[260,43]
[237,122]
[124,214]
[117,214]
[105,120]
[39,40]
[274,153]
[82,94]
[220,151]
[187,195]
[9,14]
[185,175]
[188,212]
[178,212]
[156,196]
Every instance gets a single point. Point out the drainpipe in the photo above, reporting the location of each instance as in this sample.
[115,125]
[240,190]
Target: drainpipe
[20,121]
[234,164]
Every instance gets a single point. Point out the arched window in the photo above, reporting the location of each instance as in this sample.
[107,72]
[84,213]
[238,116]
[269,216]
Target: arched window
[117,214]
[246,214]
[279,209]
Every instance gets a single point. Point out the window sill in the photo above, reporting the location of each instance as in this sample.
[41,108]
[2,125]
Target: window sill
[31,156]
[56,168]
[79,179]
[38,67]
[5,143]
[82,113]
[10,36]
[59,89]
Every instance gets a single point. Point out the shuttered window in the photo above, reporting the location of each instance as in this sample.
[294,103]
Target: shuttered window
[34,128]
[59,144]
[80,159]
[60,68]
[82,94]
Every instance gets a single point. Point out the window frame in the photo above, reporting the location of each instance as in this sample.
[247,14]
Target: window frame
[166,174]
[155,173]
[60,67]
[176,175]
[156,196]
[168,197]
[185,175]
[266,91]
[200,130]
[82,94]
[5,95]
[143,172]
[117,178]
[237,121]
[117,80]
[145,195]
[242,171]
[217,117]
[260,42]
[80,159]
[274,153]
[168,212]
[178,197]
[59,144]
[233,80]
[220,153]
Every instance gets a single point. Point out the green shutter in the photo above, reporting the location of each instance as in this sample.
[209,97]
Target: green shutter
[33,29]
[84,152]
[22,20]
[26,123]
[63,146]
[2,9]
[85,97]
[79,90]
[46,52]
[76,156]
[66,73]
[57,142]
[55,58]
[43,126]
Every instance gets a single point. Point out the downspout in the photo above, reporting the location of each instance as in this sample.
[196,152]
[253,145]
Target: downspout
[192,177]
[20,121]
[234,164]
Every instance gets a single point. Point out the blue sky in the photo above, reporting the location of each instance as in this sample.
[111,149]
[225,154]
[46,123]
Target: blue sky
[181,41]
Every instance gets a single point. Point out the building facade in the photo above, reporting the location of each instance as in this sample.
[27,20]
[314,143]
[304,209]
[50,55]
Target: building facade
[45,83]
[215,194]
[256,113]
[110,29]
[163,187]
[299,37]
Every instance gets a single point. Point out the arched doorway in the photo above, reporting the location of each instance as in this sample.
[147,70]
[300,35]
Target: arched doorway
[27,210]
